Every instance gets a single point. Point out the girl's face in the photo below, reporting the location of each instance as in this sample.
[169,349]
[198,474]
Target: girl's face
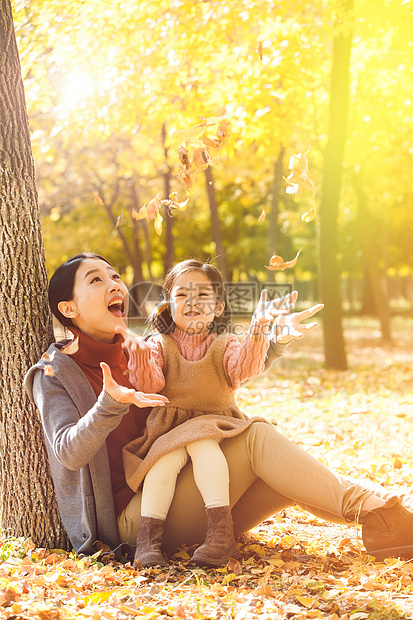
[194,303]
[99,300]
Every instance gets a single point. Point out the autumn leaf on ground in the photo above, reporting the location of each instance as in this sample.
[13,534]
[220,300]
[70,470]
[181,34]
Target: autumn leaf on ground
[298,179]
[277,263]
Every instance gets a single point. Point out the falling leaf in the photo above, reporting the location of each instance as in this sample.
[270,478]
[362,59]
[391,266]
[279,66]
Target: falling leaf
[309,215]
[48,370]
[189,134]
[72,347]
[277,262]
[158,224]
[259,50]
[200,159]
[119,220]
[298,179]
[262,216]
[98,199]
[224,131]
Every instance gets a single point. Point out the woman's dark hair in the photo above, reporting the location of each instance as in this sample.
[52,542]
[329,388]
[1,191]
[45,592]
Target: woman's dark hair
[62,282]
[161,318]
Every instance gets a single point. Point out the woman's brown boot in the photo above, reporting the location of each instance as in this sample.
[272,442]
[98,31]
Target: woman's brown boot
[149,542]
[388,531]
[219,545]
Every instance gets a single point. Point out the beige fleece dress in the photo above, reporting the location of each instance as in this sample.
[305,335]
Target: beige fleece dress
[201,406]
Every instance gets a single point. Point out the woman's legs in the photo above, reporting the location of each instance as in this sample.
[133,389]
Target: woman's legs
[284,474]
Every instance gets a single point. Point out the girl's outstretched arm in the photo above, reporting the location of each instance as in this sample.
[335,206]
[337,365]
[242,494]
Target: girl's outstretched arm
[145,362]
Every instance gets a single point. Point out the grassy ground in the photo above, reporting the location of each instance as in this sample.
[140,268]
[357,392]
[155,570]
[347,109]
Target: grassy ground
[358,422]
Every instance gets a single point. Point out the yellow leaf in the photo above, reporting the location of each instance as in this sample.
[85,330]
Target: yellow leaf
[98,199]
[189,134]
[262,216]
[305,600]
[277,262]
[228,578]
[181,554]
[158,223]
[309,215]
[397,463]
[259,50]
[97,597]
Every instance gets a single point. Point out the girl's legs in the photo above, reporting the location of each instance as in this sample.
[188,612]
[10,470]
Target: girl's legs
[212,479]
[158,490]
[210,472]
[159,484]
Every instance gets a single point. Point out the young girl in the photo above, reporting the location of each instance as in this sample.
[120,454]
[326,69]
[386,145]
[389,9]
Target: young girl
[197,367]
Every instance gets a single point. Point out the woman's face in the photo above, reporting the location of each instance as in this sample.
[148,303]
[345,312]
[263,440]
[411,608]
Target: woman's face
[194,303]
[99,300]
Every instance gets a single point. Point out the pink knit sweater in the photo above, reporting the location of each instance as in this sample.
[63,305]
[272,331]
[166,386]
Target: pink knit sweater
[242,360]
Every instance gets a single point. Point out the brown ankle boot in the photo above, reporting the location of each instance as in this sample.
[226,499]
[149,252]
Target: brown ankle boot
[149,542]
[219,545]
[388,531]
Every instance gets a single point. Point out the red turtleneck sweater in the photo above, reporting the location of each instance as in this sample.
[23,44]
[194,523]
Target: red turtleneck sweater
[88,357]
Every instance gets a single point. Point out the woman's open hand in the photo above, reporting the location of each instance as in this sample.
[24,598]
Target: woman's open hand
[289,326]
[127,395]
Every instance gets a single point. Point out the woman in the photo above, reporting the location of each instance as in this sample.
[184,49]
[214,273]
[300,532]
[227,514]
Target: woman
[88,418]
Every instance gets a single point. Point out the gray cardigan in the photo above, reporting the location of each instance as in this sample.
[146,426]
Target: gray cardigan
[75,427]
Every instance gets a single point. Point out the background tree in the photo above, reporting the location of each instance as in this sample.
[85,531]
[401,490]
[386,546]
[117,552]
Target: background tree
[27,503]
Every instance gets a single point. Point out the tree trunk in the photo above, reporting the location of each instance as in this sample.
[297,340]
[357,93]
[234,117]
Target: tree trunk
[169,241]
[276,190]
[334,349]
[28,504]
[216,228]
[371,259]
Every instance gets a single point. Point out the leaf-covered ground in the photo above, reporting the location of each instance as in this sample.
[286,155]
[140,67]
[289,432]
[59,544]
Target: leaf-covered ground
[292,566]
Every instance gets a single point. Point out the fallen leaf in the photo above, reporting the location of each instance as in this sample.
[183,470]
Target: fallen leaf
[48,370]
[277,263]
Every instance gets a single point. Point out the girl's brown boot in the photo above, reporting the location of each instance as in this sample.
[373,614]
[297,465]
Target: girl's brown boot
[219,545]
[149,542]
[388,531]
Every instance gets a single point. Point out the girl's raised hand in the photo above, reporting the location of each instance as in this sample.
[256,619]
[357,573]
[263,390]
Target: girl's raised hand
[267,311]
[289,326]
[127,395]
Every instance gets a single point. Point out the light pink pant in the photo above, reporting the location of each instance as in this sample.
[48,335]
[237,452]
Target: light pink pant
[267,473]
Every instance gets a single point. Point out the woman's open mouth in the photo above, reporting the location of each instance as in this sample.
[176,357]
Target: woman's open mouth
[117,307]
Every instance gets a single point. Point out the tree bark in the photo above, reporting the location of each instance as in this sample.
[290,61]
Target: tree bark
[28,505]
[169,237]
[276,189]
[371,259]
[216,228]
[334,348]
